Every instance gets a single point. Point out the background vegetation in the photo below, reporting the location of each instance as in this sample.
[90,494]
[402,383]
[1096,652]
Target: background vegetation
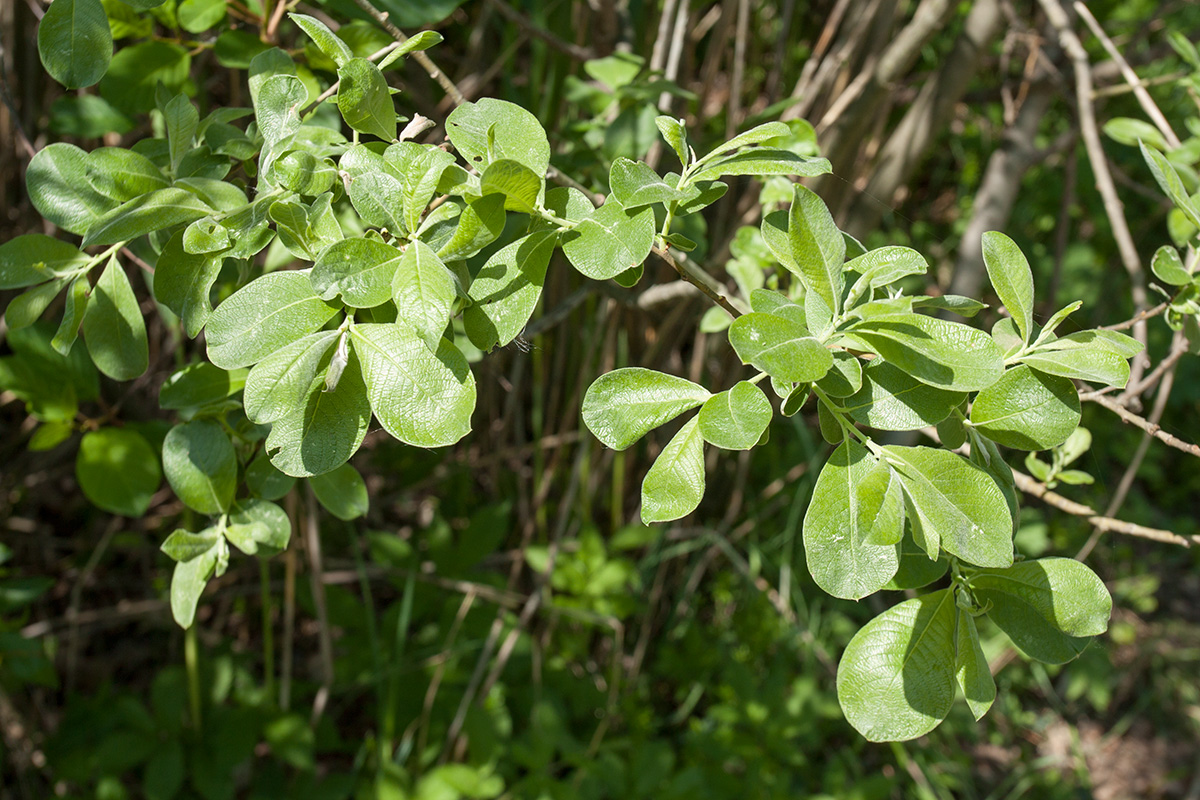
[416,652]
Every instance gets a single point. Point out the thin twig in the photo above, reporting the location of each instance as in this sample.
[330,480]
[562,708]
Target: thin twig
[1143,97]
[695,276]
[312,541]
[1031,487]
[575,51]
[421,58]
[1151,428]
[1090,131]
[1141,316]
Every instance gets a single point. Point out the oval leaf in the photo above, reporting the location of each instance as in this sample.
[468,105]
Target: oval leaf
[896,679]
[836,528]
[201,466]
[263,316]
[622,405]
[674,485]
[780,347]
[420,397]
[736,419]
[1027,409]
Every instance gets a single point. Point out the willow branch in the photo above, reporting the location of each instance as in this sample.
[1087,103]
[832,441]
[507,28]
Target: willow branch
[1135,83]
[1151,428]
[698,278]
[1031,487]
[421,58]
[1090,131]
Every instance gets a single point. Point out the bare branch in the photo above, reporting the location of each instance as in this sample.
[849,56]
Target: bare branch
[1031,487]
[1151,428]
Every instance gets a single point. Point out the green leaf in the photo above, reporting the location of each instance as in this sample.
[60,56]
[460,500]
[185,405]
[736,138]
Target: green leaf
[1168,267]
[1168,180]
[1074,477]
[756,135]
[265,481]
[118,471]
[197,16]
[1011,278]
[1027,409]
[674,485]
[886,265]
[506,290]
[187,584]
[113,326]
[424,292]
[954,303]
[737,418]
[73,312]
[479,224]
[379,199]
[896,679]
[840,521]
[32,258]
[610,241]
[326,431]
[420,397]
[635,184]
[359,270]
[263,316]
[1055,320]
[1037,468]
[201,466]
[155,211]
[205,236]
[1095,363]
[183,282]
[278,385]
[364,99]
[184,545]
[303,173]
[422,175]
[199,385]
[768,301]
[306,231]
[971,667]
[123,174]
[916,569]
[86,117]
[1129,131]
[416,43]
[675,135]
[816,247]
[1046,606]
[182,119]
[58,186]
[259,527]
[324,38]
[491,129]
[342,492]
[844,378]
[621,406]
[135,73]
[75,42]
[956,503]
[938,352]
[518,183]
[277,105]
[779,347]
[763,161]
[796,399]
[27,307]
[880,511]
